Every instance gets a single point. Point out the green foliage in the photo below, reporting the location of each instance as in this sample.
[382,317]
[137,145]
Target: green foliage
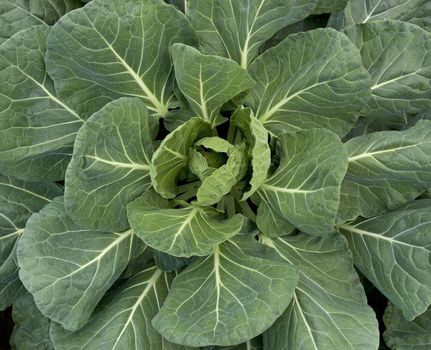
[213,174]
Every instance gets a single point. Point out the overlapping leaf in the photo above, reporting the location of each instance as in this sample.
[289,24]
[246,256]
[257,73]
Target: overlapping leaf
[226,298]
[123,318]
[364,11]
[207,81]
[311,79]
[329,6]
[386,170]
[109,49]
[37,129]
[31,329]
[17,15]
[187,231]
[271,223]
[111,164]
[56,255]
[237,29]
[398,57]
[329,309]
[305,188]
[393,251]
[401,334]
[18,200]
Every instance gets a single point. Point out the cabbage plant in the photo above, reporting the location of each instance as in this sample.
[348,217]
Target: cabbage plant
[215,174]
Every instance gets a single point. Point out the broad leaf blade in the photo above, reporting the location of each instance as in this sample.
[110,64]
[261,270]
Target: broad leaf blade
[17,15]
[67,268]
[311,79]
[11,287]
[111,164]
[259,151]
[386,170]
[401,334]
[182,232]
[398,57]
[31,329]
[109,49]
[37,129]
[329,309]
[363,11]
[305,188]
[329,6]
[226,298]
[208,82]
[237,29]
[272,224]
[123,318]
[172,155]
[393,251]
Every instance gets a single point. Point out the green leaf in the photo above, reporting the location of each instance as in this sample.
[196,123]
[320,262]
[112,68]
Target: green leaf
[365,11]
[401,334]
[110,165]
[208,82]
[259,151]
[398,57]
[17,15]
[122,320]
[329,6]
[172,155]
[184,232]
[109,49]
[393,251]
[56,255]
[198,165]
[169,263]
[311,79]
[272,224]
[386,170]
[18,200]
[31,329]
[37,129]
[221,181]
[226,298]
[305,188]
[329,308]
[237,29]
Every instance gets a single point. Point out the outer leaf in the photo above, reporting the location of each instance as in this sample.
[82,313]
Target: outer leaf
[398,58]
[386,170]
[401,334]
[272,224]
[110,49]
[110,165]
[221,181]
[259,153]
[208,82]
[237,29]
[67,268]
[225,298]
[31,329]
[184,232]
[311,79]
[329,308]
[328,6]
[305,188]
[172,155]
[18,200]
[37,129]
[364,11]
[17,15]
[393,251]
[169,263]
[122,320]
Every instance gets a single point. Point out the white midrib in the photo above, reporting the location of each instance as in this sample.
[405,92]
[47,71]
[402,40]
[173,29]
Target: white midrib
[296,301]
[375,235]
[119,164]
[26,191]
[160,107]
[18,232]
[374,87]
[151,283]
[201,96]
[287,190]
[217,279]
[371,12]
[186,223]
[372,154]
